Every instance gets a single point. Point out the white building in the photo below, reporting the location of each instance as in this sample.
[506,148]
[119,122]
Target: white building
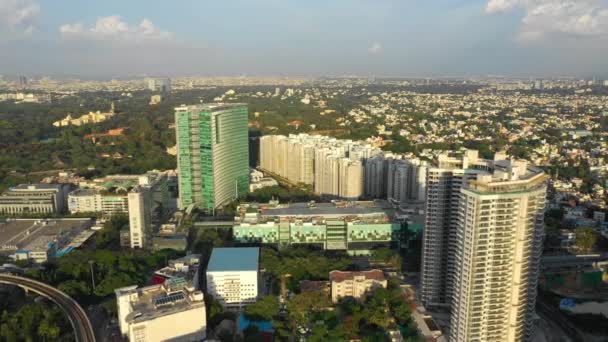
[33,199]
[232,276]
[139,196]
[172,311]
[482,244]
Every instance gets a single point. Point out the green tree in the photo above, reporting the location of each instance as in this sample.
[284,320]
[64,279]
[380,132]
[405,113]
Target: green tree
[585,239]
[264,308]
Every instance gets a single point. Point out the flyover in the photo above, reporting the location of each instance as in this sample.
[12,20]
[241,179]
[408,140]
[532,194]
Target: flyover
[83,330]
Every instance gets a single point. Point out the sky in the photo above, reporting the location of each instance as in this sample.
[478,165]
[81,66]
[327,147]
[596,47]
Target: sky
[407,38]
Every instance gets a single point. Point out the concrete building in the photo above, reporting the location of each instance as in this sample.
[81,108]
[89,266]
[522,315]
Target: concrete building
[98,201]
[44,239]
[145,198]
[162,85]
[355,284]
[187,267]
[147,203]
[172,311]
[33,199]
[212,154]
[357,227]
[232,276]
[482,245]
[258,181]
[343,168]
[442,216]
[334,167]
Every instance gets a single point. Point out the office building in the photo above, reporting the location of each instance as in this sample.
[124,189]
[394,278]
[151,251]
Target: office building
[357,227]
[171,311]
[110,202]
[212,154]
[355,284]
[144,198]
[162,85]
[33,199]
[482,244]
[232,276]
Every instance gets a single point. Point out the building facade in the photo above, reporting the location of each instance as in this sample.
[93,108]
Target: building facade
[444,183]
[344,169]
[482,243]
[354,226]
[33,199]
[232,276]
[212,154]
[355,284]
[500,245]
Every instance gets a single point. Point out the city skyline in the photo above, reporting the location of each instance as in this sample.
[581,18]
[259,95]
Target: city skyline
[385,38]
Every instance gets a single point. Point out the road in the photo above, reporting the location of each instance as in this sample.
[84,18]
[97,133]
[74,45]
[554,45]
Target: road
[83,330]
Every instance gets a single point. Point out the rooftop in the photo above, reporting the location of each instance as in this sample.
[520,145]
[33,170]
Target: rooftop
[334,209]
[340,276]
[19,234]
[209,107]
[149,302]
[36,187]
[234,259]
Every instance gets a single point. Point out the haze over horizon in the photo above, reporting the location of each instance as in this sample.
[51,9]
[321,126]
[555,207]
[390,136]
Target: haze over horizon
[459,38]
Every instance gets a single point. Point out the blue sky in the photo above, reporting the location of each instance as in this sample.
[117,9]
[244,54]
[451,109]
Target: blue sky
[114,38]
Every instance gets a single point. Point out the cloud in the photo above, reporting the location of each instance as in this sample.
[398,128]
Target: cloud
[112,28]
[582,18]
[499,6]
[18,15]
[375,48]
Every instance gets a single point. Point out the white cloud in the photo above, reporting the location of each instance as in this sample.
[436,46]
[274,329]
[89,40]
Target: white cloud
[375,48]
[549,17]
[113,28]
[18,15]
[498,6]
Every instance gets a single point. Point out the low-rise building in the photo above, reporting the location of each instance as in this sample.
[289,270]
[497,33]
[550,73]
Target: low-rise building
[352,226]
[172,311]
[187,268]
[145,198]
[355,284]
[232,276]
[43,240]
[33,199]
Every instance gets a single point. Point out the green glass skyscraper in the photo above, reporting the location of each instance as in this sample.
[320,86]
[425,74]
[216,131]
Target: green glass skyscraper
[212,154]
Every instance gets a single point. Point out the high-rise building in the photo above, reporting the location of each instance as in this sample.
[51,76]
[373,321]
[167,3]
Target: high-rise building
[444,183]
[22,81]
[482,243]
[212,154]
[162,85]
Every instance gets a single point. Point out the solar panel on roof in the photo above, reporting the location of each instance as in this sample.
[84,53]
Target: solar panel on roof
[170,299]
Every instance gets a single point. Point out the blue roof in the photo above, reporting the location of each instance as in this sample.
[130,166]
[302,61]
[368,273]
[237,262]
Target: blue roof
[234,259]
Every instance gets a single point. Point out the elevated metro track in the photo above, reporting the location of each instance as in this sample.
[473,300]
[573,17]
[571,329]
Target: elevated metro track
[83,330]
